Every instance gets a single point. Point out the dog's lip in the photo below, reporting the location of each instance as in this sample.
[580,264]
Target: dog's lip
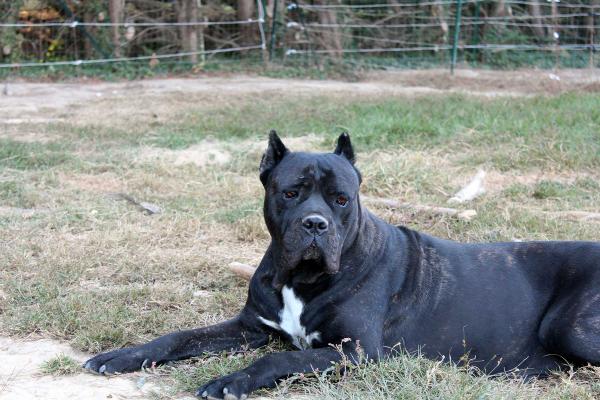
[312,252]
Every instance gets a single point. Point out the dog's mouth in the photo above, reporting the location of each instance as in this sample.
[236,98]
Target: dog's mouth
[320,257]
[308,265]
[312,252]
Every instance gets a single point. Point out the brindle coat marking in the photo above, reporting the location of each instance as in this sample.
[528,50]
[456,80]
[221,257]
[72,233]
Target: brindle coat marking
[347,274]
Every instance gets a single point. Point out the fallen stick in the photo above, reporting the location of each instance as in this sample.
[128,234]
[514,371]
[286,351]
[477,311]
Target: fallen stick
[148,208]
[575,215]
[461,214]
[244,271]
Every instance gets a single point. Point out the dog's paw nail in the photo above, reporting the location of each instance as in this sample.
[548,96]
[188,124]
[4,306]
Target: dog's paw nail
[102,369]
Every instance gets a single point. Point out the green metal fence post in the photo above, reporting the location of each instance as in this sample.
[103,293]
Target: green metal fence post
[476,30]
[67,10]
[456,35]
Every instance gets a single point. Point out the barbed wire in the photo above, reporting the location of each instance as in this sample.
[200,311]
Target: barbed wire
[545,16]
[382,5]
[448,47]
[559,4]
[359,37]
[448,21]
[428,21]
[503,18]
[75,24]
[138,58]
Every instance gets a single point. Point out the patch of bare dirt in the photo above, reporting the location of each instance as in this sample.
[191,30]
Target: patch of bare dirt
[210,152]
[21,212]
[299,143]
[21,377]
[155,101]
[200,155]
[102,183]
[29,137]
[28,102]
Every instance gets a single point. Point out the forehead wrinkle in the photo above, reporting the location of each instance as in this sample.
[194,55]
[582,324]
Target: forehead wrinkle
[330,164]
[314,168]
[311,171]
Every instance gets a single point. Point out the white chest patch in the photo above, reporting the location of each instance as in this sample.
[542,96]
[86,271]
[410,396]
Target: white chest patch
[289,320]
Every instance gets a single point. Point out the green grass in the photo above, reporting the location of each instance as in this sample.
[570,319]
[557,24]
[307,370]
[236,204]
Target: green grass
[524,131]
[32,156]
[415,377]
[80,265]
[60,365]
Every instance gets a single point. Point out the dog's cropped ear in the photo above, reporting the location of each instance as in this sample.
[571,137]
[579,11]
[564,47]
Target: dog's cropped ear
[344,148]
[276,150]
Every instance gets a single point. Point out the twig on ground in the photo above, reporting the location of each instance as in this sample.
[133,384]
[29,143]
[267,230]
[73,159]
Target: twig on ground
[461,214]
[148,208]
[575,215]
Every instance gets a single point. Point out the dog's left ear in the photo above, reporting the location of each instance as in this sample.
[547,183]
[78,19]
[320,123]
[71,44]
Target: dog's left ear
[276,150]
[344,148]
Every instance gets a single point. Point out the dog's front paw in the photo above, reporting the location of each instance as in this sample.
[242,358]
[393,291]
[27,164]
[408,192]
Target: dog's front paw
[235,386]
[119,361]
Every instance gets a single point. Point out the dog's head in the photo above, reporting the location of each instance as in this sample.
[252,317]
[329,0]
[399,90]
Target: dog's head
[311,208]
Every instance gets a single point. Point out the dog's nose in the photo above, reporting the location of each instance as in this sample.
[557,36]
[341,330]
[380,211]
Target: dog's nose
[315,224]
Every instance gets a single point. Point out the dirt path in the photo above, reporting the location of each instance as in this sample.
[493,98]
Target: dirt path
[32,102]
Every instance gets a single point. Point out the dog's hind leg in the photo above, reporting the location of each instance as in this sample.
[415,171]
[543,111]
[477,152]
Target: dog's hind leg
[571,327]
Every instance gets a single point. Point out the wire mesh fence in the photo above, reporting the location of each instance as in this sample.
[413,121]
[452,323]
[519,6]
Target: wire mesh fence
[376,33]
[504,34]
[57,33]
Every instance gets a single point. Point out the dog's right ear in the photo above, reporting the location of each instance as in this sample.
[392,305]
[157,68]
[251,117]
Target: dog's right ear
[276,150]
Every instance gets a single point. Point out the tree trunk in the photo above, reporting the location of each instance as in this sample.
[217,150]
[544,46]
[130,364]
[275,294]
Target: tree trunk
[115,12]
[536,16]
[245,11]
[439,12]
[87,46]
[499,9]
[187,11]
[192,30]
[332,39]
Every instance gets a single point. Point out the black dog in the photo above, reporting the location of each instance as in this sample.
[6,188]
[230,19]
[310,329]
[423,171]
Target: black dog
[335,271]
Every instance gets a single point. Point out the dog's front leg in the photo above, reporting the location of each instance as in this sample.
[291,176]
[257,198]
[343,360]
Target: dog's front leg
[231,335]
[267,370]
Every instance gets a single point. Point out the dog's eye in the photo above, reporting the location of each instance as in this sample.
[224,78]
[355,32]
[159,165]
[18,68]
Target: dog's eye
[342,200]
[290,194]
